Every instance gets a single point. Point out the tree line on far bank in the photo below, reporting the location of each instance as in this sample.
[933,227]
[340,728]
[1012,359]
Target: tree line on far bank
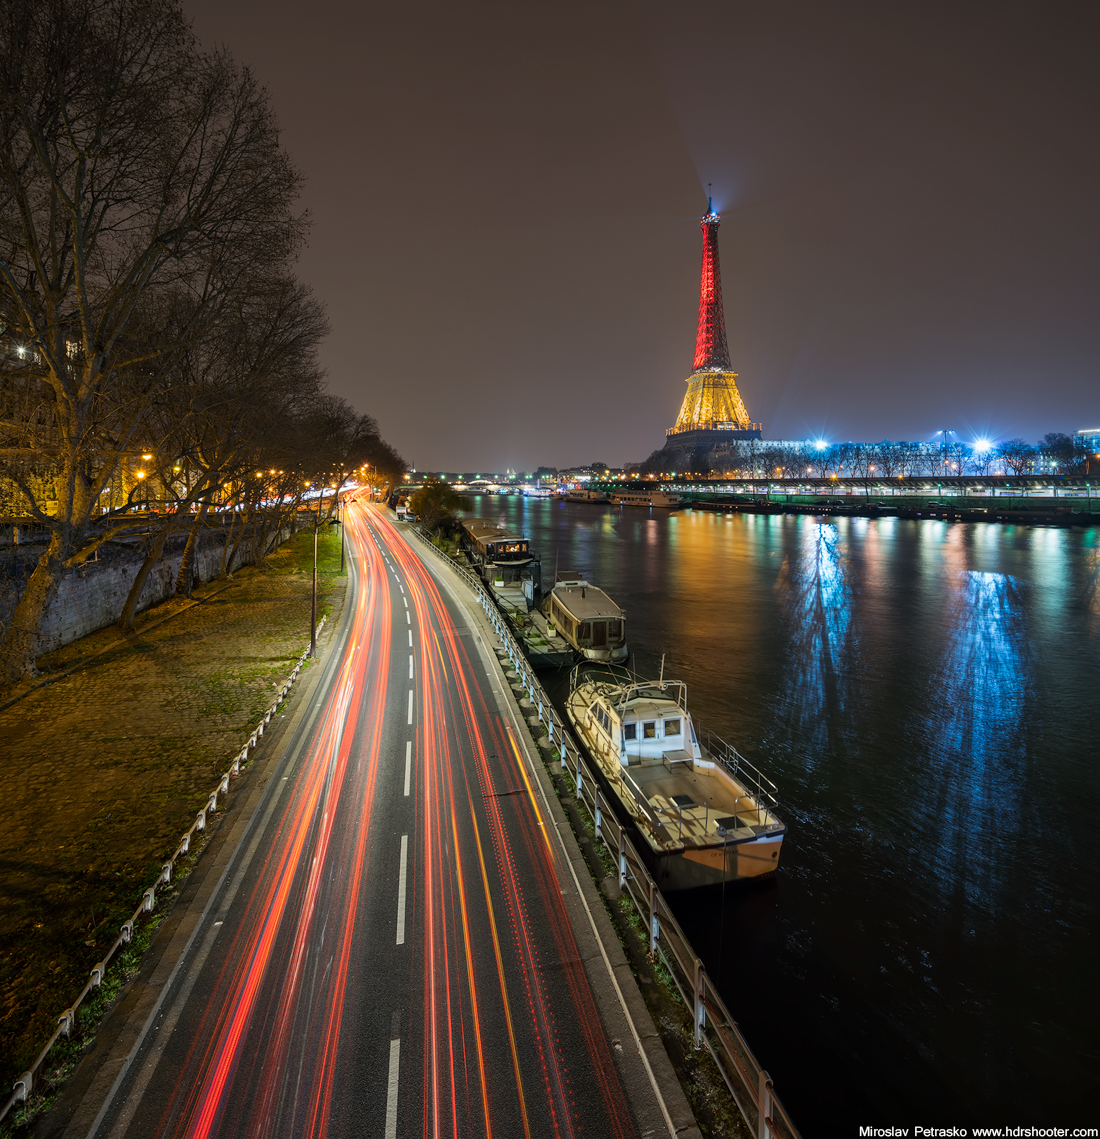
[1056,453]
[156,346]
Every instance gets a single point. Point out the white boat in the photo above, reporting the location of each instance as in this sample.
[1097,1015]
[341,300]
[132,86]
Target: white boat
[586,617]
[662,498]
[705,815]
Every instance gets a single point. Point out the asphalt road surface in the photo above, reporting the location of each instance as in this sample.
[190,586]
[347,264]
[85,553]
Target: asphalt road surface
[393,949]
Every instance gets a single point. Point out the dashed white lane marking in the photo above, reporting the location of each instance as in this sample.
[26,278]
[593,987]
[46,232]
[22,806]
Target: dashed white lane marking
[410,706]
[408,619]
[406,600]
[408,764]
[410,666]
[401,889]
[401,587]
[391,1089]
[410,635]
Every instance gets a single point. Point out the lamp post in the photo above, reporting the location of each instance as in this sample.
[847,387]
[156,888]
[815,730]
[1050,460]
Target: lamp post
[313,616]
[341,514]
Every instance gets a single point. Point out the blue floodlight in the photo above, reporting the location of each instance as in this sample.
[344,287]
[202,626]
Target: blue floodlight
[821,444]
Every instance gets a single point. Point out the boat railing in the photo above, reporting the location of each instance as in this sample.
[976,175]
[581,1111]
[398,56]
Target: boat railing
[626,684]
[759,786]
[714,1026]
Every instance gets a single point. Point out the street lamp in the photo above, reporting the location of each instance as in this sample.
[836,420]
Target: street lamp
[313,610]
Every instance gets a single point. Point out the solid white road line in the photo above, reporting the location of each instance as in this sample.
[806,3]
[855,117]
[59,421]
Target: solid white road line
[410,706]
[401,890]
[408,763]
[391,1089]
[410,666]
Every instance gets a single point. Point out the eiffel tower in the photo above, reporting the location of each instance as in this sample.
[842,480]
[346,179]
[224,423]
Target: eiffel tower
[713,412]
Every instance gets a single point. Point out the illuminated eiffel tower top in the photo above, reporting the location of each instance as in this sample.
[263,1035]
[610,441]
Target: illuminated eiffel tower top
[711,351]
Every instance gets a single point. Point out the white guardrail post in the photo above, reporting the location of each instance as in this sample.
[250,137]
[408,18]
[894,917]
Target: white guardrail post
[654,927]
[700,1008]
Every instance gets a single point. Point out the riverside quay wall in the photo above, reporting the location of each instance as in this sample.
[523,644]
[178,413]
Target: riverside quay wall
[91,596]
[1068,501]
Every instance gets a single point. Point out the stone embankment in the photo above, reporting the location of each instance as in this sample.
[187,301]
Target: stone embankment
[91,596]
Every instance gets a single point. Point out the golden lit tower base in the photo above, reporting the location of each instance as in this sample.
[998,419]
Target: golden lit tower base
[713,401]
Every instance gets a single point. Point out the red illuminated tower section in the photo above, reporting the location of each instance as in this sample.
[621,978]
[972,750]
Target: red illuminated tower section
[712,403]
[711,352]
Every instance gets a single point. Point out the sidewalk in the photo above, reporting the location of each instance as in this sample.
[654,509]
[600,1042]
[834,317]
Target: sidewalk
[109,754]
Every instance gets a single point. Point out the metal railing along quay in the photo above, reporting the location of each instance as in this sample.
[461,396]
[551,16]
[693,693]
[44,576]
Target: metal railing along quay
[715,1029]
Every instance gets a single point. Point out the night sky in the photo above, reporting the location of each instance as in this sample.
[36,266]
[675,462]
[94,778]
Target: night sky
[506,200]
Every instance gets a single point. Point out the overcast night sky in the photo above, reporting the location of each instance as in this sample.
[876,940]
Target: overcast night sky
[506,200]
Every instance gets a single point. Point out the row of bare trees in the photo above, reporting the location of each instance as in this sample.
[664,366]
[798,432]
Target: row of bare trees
[149,309]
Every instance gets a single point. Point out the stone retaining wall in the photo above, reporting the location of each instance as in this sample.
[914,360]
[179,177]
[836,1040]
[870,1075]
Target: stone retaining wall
[91,596]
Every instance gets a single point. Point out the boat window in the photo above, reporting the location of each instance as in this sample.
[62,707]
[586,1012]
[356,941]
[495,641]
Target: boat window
[630,731]
[672,727]
[614,631]
[584,633]
[649,730]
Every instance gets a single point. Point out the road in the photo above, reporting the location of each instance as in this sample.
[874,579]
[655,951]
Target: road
[393,950]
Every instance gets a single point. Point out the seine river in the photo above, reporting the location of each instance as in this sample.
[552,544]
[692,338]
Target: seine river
[926,696]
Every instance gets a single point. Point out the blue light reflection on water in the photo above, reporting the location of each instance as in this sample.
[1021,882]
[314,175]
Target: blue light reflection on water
[815,597]
[924,694]
[984,682]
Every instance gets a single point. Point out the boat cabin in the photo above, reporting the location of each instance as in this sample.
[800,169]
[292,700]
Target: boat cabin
[497,545]
[587,618]
[499,554]
[648,731]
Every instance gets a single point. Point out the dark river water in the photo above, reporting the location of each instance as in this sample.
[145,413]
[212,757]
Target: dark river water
[925,695]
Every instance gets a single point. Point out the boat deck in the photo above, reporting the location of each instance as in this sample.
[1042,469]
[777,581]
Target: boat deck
[692,802]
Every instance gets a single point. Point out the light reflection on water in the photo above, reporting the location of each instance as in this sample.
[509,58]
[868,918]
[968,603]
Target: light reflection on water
[924,695]
[984,684]
[815,597]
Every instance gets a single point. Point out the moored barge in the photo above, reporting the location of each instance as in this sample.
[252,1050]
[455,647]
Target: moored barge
[704,815]
[586,617]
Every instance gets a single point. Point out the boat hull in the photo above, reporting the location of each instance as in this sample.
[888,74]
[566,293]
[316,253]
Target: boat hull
[616,655]
[694,869]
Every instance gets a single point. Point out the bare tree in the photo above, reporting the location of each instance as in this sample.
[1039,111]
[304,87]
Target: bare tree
[1017,456]
[138,177]
[208,430]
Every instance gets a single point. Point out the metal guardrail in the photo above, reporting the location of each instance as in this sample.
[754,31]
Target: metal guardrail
[67,1020]
[715,1029]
